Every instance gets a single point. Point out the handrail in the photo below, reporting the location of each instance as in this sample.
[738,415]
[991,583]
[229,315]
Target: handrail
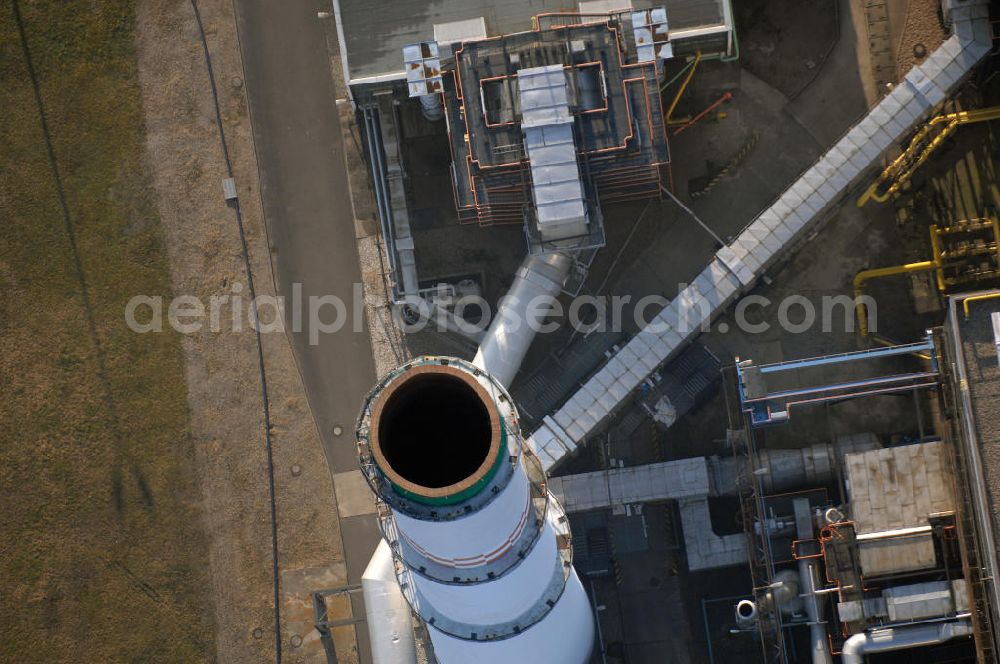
[860,278]
[977,298]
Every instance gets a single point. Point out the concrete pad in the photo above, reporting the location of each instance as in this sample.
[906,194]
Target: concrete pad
[354,498]
[361,536]
[297,587]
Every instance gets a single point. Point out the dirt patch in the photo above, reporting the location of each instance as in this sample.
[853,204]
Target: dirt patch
[184,154]
[784,42]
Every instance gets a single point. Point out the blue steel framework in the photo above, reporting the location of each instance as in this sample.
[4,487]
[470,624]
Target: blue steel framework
[764,407]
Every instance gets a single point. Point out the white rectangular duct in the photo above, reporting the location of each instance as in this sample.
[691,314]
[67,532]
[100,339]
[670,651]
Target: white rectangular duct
[557,188]
[736,267]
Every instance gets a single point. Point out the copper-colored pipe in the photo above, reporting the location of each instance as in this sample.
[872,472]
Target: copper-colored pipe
[724,98]
[470,159]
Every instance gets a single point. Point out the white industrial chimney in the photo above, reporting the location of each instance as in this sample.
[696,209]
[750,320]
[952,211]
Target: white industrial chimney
[481,551]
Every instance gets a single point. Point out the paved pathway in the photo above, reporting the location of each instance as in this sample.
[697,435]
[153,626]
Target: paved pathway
[307,206]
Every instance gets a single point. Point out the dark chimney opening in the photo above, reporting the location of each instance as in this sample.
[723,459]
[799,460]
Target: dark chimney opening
[434,430]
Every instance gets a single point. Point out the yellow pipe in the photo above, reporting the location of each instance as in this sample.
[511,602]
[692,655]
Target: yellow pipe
[861,277]
[936,251]
[977,298]
[680,92]
[996,237]
[869,192]
[901,169]
[907,173]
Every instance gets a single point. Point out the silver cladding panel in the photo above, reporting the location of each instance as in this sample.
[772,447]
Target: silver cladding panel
[899,487]
[551,147]
[919,601]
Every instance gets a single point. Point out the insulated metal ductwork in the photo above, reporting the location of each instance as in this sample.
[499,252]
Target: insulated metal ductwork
[388,613]
[481,551]
[901,638]
[539,279]
[781,470]
[431,107]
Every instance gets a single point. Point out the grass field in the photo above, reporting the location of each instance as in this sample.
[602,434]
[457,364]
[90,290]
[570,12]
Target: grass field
[101,554]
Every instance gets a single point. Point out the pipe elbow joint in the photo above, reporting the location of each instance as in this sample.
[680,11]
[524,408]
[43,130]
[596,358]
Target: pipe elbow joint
[854,649]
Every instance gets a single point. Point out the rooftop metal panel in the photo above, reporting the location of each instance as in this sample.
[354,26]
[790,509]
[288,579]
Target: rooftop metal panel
[596,6]
[456,31]
[979,393]
[375,32]
[650,29]
[895,556]
[544,100]
[899,487]
[423,68]
[893,492]
[691,14]
[919,601]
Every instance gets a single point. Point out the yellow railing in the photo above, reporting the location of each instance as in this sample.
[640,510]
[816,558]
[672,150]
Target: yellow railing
[861,277]
[977,298]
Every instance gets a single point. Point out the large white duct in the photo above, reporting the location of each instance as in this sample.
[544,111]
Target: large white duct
[901,638]
[539,279]
[389,618]
[431,107]
[482,550]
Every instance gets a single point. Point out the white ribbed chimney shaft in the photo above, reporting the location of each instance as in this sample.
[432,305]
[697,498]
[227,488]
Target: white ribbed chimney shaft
[483,550]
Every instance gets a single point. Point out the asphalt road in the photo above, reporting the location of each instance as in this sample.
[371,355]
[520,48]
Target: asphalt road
[307,207]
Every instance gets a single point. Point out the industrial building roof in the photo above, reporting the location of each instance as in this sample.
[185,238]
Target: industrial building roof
[894,493]
[982,375]
[374,33]
[505,162]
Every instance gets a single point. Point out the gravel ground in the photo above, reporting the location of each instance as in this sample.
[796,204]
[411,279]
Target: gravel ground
[922,27]
[184,155]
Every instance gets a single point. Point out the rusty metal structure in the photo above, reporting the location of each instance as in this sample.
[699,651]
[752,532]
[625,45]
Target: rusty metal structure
[884,539]
[613,96]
